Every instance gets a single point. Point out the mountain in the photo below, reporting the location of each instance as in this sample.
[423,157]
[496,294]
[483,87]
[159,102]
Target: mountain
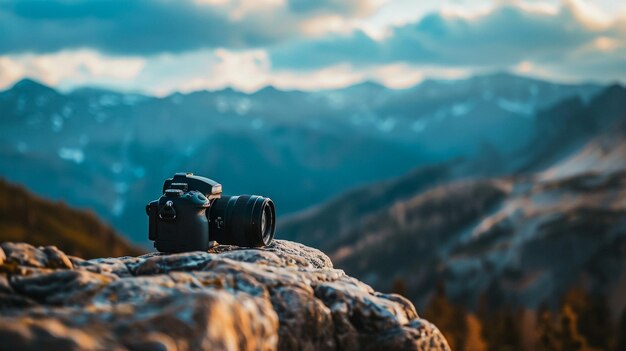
[522,239]
[28,218]
[327,225]
[571,123]
[110,151]
[514,241]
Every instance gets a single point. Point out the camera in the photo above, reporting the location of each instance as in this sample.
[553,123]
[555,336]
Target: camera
[192,212]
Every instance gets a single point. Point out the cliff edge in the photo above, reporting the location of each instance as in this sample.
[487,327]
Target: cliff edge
[286,296]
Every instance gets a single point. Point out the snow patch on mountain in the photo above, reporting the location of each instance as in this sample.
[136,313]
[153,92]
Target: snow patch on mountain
[596,157]
[72,154]
[517,107]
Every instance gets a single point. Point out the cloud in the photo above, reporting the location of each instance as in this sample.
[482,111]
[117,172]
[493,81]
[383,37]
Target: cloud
[10,71]
[505,36]
[341,7]
[163,46]
[163,74]
[155,26]
[70,68]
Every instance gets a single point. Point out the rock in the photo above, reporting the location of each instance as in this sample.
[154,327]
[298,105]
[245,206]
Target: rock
[29,256]
[55,258]
[24,255]
[286,296]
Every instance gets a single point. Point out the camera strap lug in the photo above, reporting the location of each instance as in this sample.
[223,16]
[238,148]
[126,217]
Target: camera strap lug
[167,211]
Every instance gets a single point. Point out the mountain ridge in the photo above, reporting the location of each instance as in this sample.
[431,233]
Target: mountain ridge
[29,218]
[493,235]
[369,84]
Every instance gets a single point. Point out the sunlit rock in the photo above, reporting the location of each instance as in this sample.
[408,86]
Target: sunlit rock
[286,296]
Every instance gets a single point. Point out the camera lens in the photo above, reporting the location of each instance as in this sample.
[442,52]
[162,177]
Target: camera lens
[263,223]
[244,220]
[268,220]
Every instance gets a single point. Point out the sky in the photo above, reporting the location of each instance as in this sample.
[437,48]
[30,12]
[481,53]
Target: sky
[164,46]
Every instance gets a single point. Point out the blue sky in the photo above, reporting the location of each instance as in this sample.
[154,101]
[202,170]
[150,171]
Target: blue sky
[162,46]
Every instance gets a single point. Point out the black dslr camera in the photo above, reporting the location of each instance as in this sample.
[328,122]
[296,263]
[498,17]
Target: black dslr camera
[192,212]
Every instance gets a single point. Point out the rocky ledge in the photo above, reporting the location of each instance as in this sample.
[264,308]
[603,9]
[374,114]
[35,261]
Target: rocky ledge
[286,296]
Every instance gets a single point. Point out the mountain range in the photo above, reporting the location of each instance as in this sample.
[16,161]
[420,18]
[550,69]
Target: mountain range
[109,151]
[495,201]
[520,238]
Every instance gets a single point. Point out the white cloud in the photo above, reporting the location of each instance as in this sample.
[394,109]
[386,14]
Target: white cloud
[564,40]
[69,68]
[240,9]
[251,70]
[245,70]
[401,75]
[10,71]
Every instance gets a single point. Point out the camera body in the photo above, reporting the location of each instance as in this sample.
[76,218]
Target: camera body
[192,212]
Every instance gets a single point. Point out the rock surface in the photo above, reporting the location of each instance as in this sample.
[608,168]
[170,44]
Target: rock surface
[286,296]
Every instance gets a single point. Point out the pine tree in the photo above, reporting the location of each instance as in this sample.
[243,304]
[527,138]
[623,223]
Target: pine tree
[562,334]
[448,318]
[546,330]
[593,317]
[474,340]
[569,337]
[621,333]
[506,329]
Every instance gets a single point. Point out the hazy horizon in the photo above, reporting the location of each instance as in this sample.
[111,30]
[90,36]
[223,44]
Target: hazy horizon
[370,81]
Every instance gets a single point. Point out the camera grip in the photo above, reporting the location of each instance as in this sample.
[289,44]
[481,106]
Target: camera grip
[151,211]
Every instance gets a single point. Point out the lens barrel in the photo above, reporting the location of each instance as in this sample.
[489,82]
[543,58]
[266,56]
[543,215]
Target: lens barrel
[244,220]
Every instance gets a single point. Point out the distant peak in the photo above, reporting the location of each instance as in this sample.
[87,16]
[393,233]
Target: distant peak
[268,89]
[91,90]
[366,85]
[501,76]
[614,92]
[25,82]
[227,90]
[369,84]
[28,84]
[615,88]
